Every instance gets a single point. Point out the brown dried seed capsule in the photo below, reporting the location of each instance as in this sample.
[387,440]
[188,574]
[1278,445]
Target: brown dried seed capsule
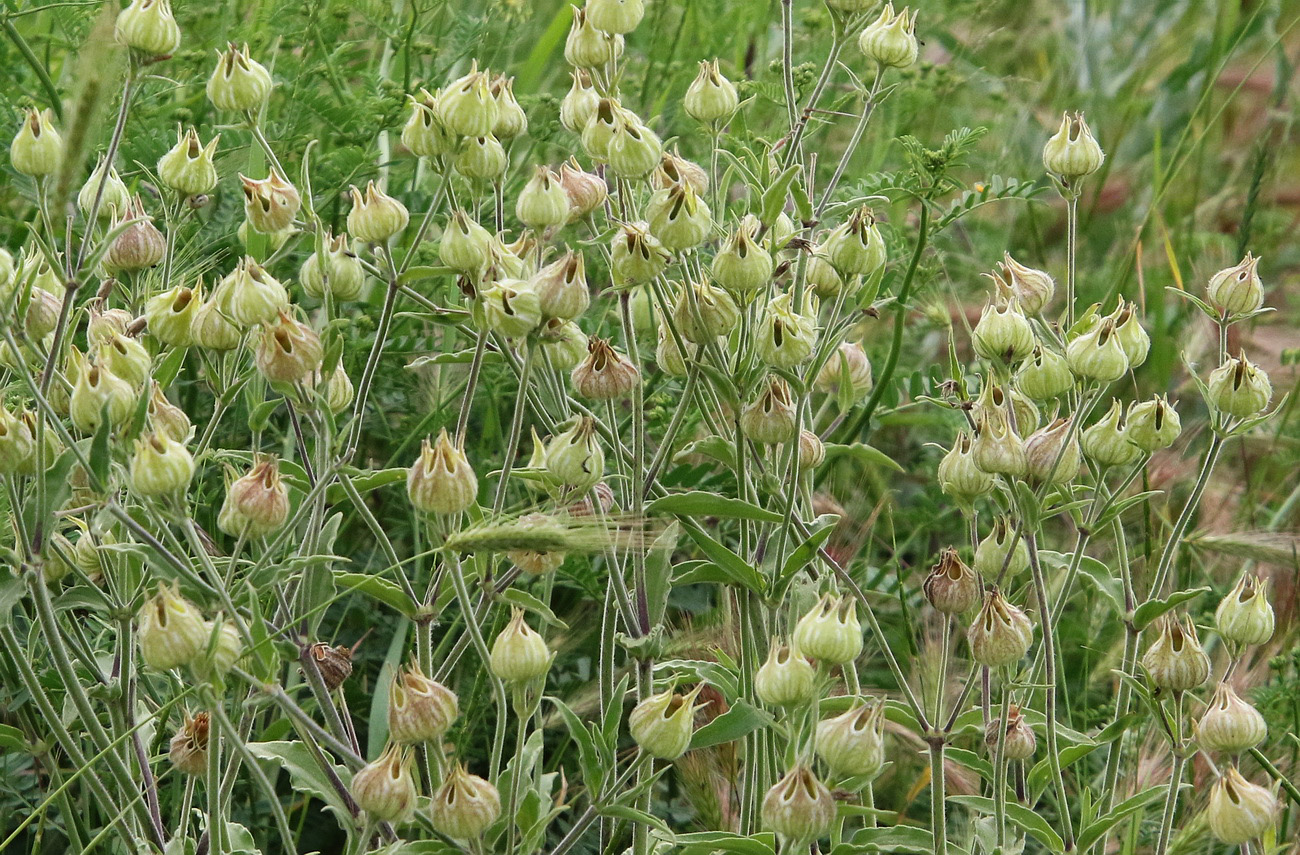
[334,663]
[188,750]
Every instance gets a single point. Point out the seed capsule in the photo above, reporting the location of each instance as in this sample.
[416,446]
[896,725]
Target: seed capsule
[785,338]
[563,343]
[785,678]
[847,372]
[222,651]
[37,150]
[742,265]
[17,445]
[1003,333]
[830,630]
[270,204]
[799,807]
[852,743]
[385,789]
[424,134]
[1230,724]
[605,374]
[561,287]
[1245,615]
[1053,454]
[250,296]
[464,806]
[511,307]
[161,466]
[170,315]
[998,449]
[211,328]
[952,587]
[96,388]
[542,203]
[465,245]
[856,246]
[891,39]
[772,418]
[188,749]
[615,16]
[575,459]
[1001,634]
[1240,811]
[662,724]
[441,481]
[991,554]
[711,97]
[1154,424]
[466,106]
[1020,741]
[375,217]
[481,158]
[636,256]
[1239,388]
[511,119]
[239,83]
[333,663]
[140,245]
[114,198]
[1109,441]
[579,103]
[335,269]
[519,653]
[958,474]
[585,191]
[812,451]
[1033,289]
[674,169]
[1072,152]
[419,709]
[1175,660]
[288,351]
[257,503]
[703,312]
[587,46]
[1237,290]
[1133,339]
[172,632]
[148,27]
[678,217]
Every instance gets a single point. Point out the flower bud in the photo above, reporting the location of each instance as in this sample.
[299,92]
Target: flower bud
[375,217]
[172,632]
[855,247]
[785,679]
[1019,743]
[830,630]
[959,476]
[1001,633]
[519,653]
[188,749]
[1245,615]
[563,343]
[1044,374]
[575,458]
[161,466]
[1229,724]
[1175,660]
[847,369]
[772,417]
[585,191]
[17,445]
[257,503]
[579,104]
[1108,442]
[852,744]
[424,134]
[1098,354]
[270,204]
[466,106]
[636,256]
[335,269]
[1033,289]
[37,150]
[798,807]
[785,338]
[126,358]
[239,83]
[742,265]
[891,39]
[482,158]
[385,788]
[1154,424]
[441,481]
[1073,152]
[140,245]
[711,97]
[1053,454]
[464,806]
[100,390]
[812,451]
[633,151]
[114,199]
[703,312]
[991,554]
[615,16]
[605,374]
[589,47]
[419,709]
[542,203]
[1240,811]
[1237,290]
[222,651]
[288,351]
[511,119]
[149,28]
[170,315]
[1239,388]
[249,295]
[465,245]
[952,587]
[211,328]
[662,724]
[511,307]
[1003,333]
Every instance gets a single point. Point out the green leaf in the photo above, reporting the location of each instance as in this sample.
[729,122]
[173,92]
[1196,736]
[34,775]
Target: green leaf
[640,817]
[11,739]
[698,503]
[1028,821]
[1091,569]
[659,571]
[459,357]
[742,718]
[737,569]
[863,453]
[379,589]
[589,755]
[261,414]
[1152,609]
[706,842]
[170,366]
[773,200]
[822,528]
[716,447]
[304,773]
[903,839]
[1095,830]
[529,603]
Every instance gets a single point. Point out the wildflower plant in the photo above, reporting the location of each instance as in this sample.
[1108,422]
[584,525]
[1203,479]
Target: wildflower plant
[647,356]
